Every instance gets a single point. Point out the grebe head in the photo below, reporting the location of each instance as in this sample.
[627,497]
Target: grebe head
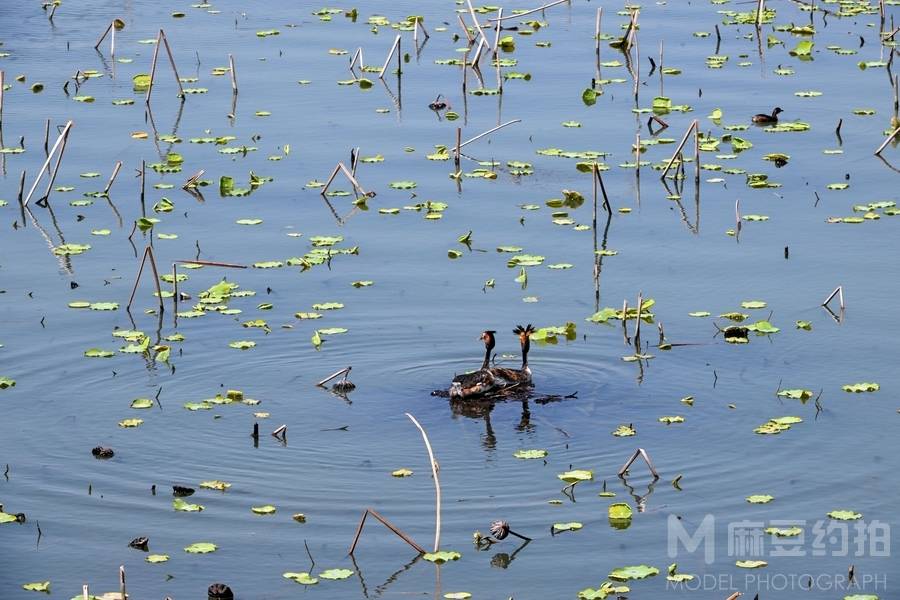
[777,111]
[524,334]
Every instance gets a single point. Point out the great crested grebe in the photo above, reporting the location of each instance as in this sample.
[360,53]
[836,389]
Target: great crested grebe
[522,375]
[478,382]
[764,118]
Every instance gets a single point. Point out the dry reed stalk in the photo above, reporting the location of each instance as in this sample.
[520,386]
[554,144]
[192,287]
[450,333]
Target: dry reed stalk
[234,86]
[489,131]
[59,140]
[112,179]
[693,127]
[394,47]
[527,12]
[640,452]
[437,481]
[887,141]
[396,530]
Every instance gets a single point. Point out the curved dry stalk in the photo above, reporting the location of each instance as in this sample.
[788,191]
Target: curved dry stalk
[437,484]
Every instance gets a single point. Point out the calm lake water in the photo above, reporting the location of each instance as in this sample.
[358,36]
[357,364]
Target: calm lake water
[416,326]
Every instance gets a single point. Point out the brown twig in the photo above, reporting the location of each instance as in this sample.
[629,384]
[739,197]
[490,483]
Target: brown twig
[396,530]
[887,141]
[693,127]
[208,263]
[112,179]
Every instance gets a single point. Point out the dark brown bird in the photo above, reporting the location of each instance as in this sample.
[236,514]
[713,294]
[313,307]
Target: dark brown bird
[764,118]
[522,375]
[478,382]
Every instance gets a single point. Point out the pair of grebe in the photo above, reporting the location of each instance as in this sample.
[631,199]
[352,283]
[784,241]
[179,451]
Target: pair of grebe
[493,379]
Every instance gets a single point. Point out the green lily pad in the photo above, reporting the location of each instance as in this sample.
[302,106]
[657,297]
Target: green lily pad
[844,515]
[619,510]
[530,454]
[242,344]
[157,558]
[335,574]
[576,476]
[571,526]
[760,499]
[858,388]
[633,572]
[37,586]
[303,578]
[268,509]
[180,505]
[215,484]
[6,382]
[201,548]
[751,564]
[442,556]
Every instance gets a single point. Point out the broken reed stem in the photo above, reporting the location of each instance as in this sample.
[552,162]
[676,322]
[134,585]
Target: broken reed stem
[839,292]
[887,141]
[606,204]
[422,26]
[46,137]
[112,48]
[103,37]
[113,178]
[597,33]
[122,594]
[625,320]
[344,371]
[175,287]
[434,473]
[59,140]
[639,453]
[465,29]
[760,7]
[637,326]
[148,253]
[497,32]
[489,131]
[153,68]
[172,62]
[2,83]
[59,158]
[737,212]
[387,524]
[693,127]
[458,145]
[21,189]
[394,47]
[696,152]
[527,12]
[85,592]
[234,87]
[143,180]
[477,24]
[209,263]
[477,57]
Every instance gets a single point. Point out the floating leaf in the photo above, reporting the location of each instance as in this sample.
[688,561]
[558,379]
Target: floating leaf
[38,586]
[576,476]
[180,505]
[201,548]
[530,454]
[760,499]
[303,578]
[157,558]
[441,556]
[572,526]
[858,388]
[844,515]
[633,572]
[750,564]
[336,574]
[268,509]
